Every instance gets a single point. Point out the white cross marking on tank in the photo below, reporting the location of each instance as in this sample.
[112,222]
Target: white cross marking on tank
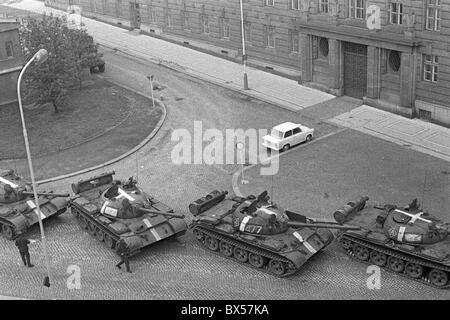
[122,193]
[414,217]
[13,185]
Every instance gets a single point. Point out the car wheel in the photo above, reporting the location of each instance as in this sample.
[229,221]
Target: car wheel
[101,68]
[308,138]
[286,147]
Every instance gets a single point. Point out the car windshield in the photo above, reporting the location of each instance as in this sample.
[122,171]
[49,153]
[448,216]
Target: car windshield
[276,134]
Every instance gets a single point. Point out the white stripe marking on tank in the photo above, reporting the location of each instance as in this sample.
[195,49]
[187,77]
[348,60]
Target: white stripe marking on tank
[244,223]
[152,230]
[122,193]
[32,205]
[305,243]
[8,182]
[401,232]
[102,210]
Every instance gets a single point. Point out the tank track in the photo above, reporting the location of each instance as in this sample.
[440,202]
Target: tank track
[392,253]
[289,265]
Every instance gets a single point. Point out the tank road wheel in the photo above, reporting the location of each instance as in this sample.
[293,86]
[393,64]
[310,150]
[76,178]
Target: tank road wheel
[361,253]
[396,264]
[438,278]
[277,267]
[240,254]
[413,270]
[198,235]
[225,248]
[211,243]
[346,243]
[378,258]
[109,241]
[91,228]
[256,260]
[8,232]
[100,235]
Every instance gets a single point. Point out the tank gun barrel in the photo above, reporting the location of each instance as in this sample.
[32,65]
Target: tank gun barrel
[170,214]
[45,194]
[322,225]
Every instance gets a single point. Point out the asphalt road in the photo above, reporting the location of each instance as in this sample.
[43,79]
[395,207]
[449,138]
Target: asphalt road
[314,179]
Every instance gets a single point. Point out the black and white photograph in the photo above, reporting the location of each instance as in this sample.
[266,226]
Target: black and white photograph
[224,154]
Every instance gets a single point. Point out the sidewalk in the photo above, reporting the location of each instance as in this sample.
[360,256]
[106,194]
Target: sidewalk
[286,93]
[413,133]
[263,85]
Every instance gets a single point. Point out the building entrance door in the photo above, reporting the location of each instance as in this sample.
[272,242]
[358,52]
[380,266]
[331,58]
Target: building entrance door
[355,69]
[135,15]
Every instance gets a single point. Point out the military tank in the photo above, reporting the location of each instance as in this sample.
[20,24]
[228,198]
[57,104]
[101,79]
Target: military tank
[404,240]
[114,210]
[17,208]
[258,233]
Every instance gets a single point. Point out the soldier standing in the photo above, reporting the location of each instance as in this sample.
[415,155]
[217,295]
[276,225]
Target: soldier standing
[124,253]
[22,243]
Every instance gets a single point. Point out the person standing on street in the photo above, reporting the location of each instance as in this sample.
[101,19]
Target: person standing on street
[22,243]
[124,253]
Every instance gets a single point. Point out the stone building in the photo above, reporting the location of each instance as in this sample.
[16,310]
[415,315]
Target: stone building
[393,54]
[10,61]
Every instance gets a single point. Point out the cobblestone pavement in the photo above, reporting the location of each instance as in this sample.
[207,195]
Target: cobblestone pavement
[333,169]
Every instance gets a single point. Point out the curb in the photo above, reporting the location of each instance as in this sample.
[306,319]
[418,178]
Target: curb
[126,154]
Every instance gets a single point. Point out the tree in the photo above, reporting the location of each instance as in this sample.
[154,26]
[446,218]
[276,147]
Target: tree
[70,51]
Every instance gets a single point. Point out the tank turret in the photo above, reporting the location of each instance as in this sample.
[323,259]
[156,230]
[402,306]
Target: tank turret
[405,240]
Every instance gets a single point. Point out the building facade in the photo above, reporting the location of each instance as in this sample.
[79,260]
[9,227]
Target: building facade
[10,61]
[393,54]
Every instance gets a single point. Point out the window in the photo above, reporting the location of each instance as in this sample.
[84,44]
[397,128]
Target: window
[396,13]
[357,9]
[297,130]
[9,49]
[288,133]
[315,47]
[205,24]
[225,28]
[430,68]
[323,7]
[295,4]
[169,20]
[269,33]
[433,15]
[270,3]
[185,19]
[294,41]
[323,47]
[248,31]
[151,14]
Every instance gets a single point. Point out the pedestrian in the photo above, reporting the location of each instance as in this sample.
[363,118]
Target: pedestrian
[22,243]
[124,253]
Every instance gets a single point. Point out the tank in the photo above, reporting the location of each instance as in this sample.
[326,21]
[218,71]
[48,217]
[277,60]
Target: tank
[401,239]
[258,233]
[113,210]
[18,209]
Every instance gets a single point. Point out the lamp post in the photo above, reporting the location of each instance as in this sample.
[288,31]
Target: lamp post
[244,56]
[151,78]
[38,57]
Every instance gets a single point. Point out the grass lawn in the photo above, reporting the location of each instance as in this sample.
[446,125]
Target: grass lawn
[87,114]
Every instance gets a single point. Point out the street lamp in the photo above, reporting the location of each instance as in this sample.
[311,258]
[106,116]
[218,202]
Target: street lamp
[150,78]
[244,56]
[39,57]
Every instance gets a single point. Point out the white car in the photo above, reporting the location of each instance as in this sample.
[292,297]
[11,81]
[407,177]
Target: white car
[287,135]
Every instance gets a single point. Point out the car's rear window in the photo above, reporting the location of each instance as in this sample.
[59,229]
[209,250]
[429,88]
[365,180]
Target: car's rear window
[276,134]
